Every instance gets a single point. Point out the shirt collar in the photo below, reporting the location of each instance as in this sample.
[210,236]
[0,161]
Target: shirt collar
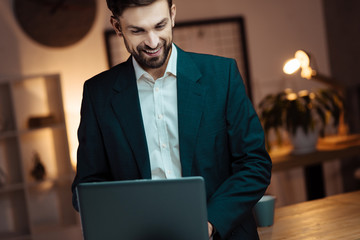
[170,68]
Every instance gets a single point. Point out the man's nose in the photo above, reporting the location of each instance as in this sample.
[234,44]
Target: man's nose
[152,40]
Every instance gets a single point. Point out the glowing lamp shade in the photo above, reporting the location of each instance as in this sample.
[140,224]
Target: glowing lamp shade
[303,58]
[301,61]
[291,66]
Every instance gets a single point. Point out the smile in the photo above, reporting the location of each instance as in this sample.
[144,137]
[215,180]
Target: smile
[153,52]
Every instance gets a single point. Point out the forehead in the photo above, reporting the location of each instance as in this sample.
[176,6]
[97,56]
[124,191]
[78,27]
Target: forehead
[146,16]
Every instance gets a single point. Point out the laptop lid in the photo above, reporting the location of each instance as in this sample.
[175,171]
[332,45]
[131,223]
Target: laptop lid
[144,209]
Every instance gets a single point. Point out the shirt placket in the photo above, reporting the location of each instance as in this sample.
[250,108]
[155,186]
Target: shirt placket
[161,127]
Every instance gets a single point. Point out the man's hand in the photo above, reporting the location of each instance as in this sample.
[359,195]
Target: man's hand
[210,229]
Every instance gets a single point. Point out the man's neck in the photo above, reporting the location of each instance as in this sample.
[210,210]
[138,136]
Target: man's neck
[159,72]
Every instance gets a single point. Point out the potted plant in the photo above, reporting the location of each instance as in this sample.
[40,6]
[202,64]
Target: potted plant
[303,113]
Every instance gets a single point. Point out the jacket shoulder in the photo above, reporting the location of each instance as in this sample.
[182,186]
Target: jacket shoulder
[209,65]
[106,78]
[209,59]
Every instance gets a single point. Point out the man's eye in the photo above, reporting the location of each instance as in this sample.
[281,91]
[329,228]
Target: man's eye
[160,26]
[136,31]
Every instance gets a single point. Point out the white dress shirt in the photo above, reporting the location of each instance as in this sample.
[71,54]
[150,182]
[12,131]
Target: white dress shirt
[158,101]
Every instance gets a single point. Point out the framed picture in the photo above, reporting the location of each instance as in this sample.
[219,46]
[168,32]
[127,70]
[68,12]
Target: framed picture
[223,37]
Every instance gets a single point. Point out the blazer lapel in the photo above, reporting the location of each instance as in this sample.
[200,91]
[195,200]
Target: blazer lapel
[126,105]
[191,97]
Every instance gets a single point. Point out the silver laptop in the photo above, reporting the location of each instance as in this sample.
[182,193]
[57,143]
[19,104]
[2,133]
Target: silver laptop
[144,209]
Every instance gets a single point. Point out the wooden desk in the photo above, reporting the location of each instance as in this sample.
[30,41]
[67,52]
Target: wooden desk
[335,217]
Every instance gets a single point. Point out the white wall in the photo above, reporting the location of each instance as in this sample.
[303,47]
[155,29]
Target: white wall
[275,29]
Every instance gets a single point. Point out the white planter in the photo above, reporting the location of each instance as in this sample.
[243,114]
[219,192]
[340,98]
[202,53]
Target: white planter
[304,143]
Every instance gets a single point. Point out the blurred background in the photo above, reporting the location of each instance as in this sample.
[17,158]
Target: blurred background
[327,30]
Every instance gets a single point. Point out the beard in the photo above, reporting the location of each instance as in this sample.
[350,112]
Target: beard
[150,62]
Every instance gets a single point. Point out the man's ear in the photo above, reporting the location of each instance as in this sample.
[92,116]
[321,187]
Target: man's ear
[173,15]
[115,23]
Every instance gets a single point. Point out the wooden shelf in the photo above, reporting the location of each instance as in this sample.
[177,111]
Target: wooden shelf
[7,134]
[51,126]
[29,206]
[11,187]
[283,159]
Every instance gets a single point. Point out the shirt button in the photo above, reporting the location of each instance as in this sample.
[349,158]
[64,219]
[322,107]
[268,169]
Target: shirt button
[160,116]
[156,89]
[163,145]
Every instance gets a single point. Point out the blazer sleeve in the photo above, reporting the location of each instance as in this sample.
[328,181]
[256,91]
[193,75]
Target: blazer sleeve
[232,203]
[92,164]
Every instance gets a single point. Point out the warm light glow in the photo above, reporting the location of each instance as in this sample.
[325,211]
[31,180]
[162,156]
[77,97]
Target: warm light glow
[312,95]
[303,58]
[45,186]
[73,158]
[303,93]
[291,66]
[306,72]
[291,96]
[288,91]
[73,123]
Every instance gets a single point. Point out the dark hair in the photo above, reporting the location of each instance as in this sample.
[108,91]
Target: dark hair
[117,7]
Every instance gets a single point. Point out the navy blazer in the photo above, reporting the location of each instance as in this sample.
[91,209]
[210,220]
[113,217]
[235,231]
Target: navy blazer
[220,137]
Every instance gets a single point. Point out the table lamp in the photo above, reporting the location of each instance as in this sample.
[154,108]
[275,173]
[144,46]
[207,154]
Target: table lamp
[301,61]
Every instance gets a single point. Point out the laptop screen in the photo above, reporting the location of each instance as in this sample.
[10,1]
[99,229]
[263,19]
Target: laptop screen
[144,209]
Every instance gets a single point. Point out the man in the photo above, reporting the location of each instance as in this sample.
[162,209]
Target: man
[166,113]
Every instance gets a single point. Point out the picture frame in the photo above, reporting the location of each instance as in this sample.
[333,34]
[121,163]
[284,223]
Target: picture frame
[223,37]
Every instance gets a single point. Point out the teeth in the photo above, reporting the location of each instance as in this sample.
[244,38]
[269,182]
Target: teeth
[152,51]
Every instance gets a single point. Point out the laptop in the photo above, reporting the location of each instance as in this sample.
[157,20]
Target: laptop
[173,209]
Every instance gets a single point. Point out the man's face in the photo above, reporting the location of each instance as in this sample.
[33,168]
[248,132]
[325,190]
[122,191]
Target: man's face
[147,33]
